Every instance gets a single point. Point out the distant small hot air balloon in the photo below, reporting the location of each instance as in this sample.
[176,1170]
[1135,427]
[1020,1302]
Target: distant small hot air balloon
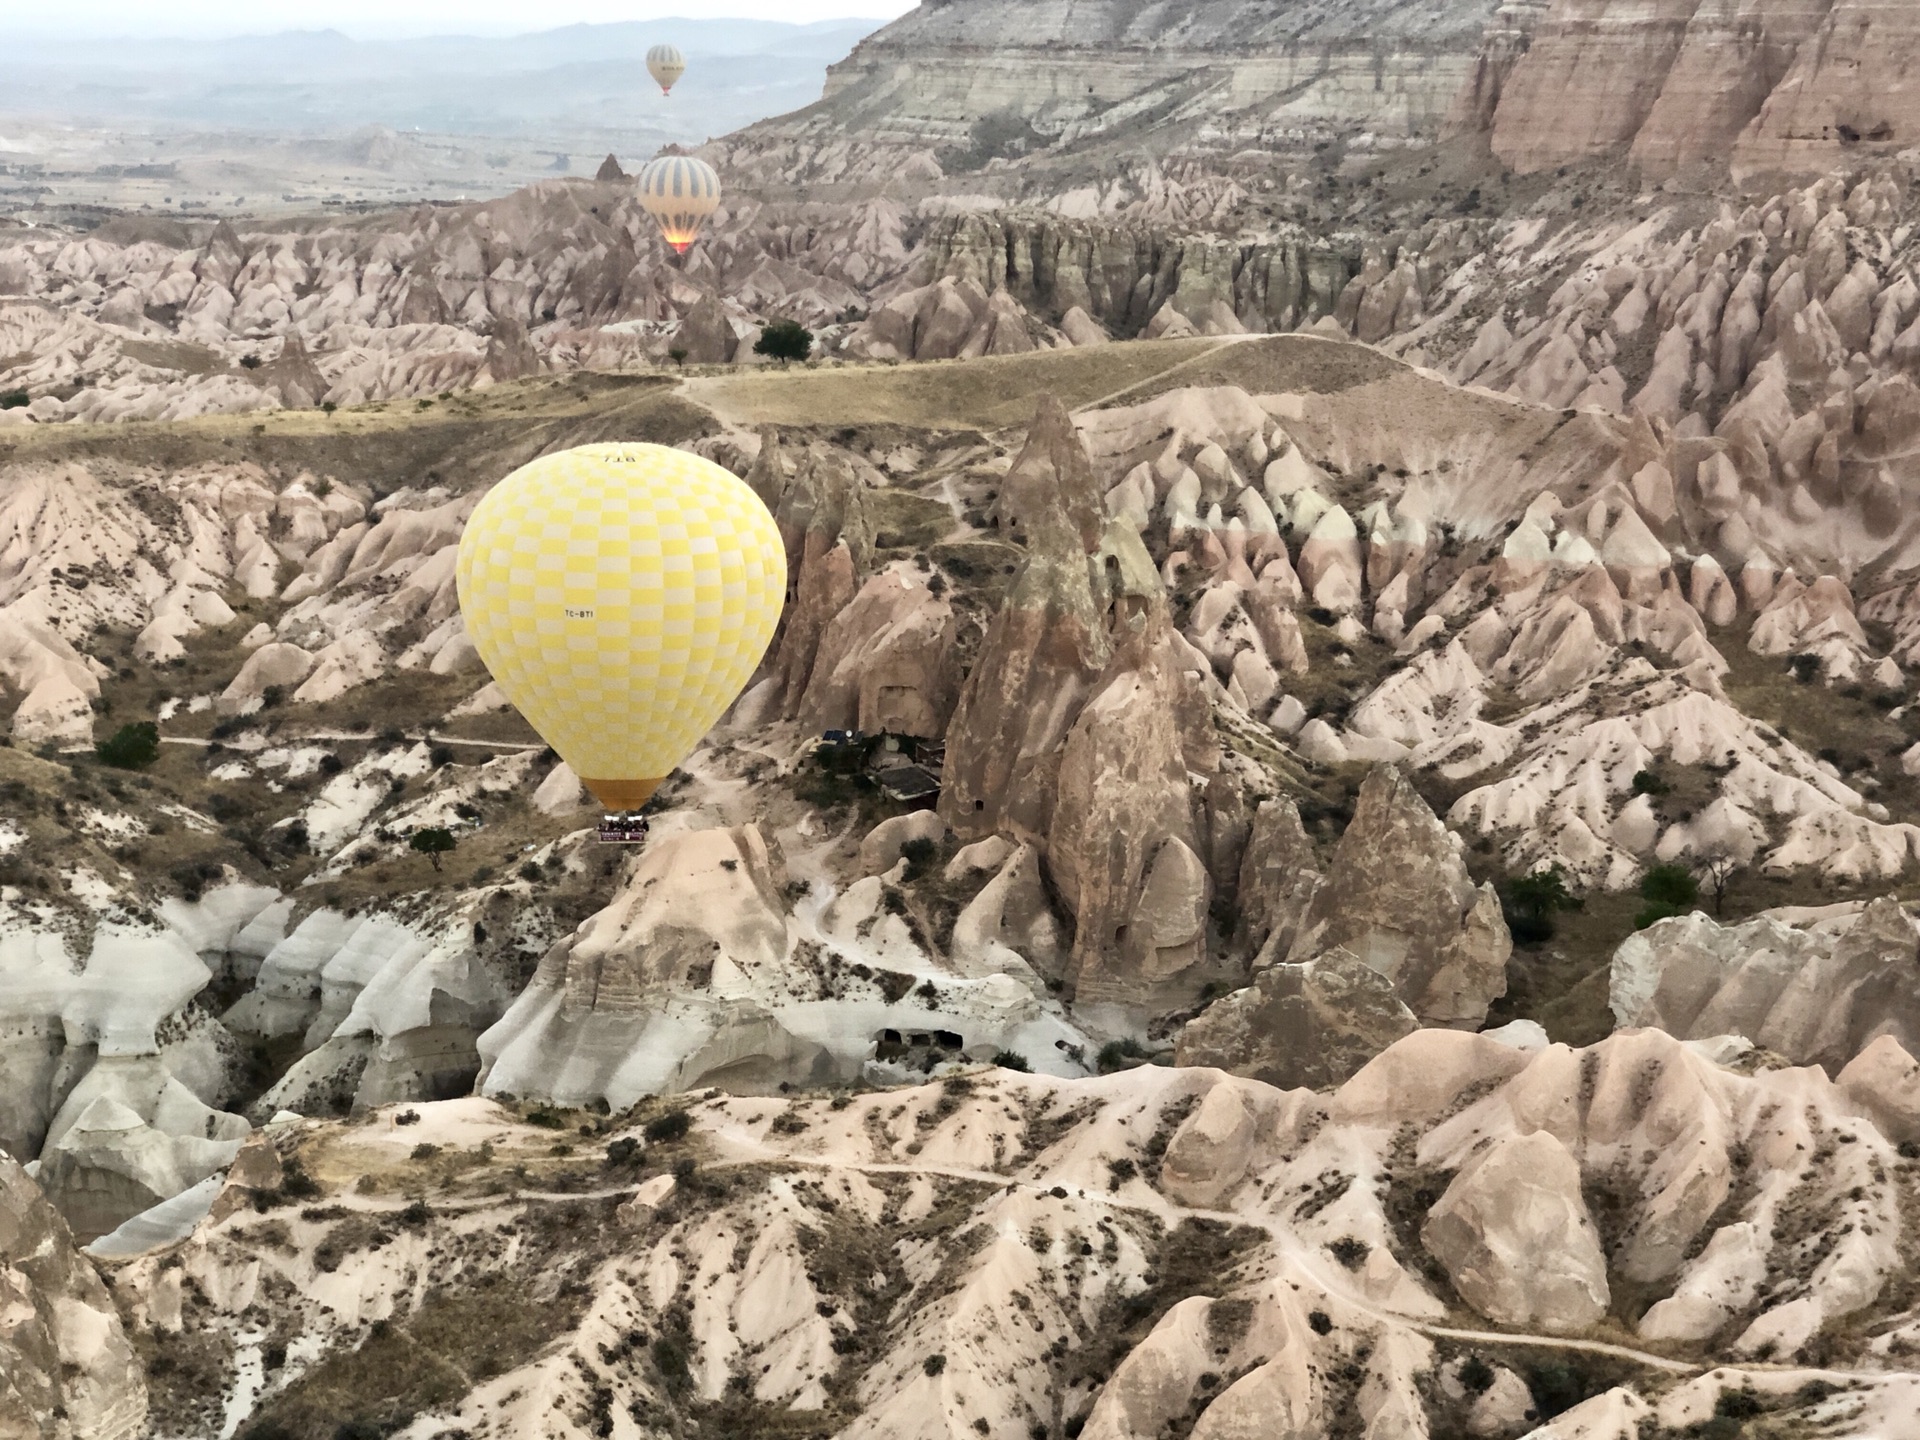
[680,192]
[666,65]
[622,596]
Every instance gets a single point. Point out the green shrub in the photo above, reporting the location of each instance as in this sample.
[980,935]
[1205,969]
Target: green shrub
[1558,1384]
[15,400]
[1738,1405]
[1011,1060]
[666,1129]
[1533,900]
[784,340]
[669,1354]
[919,854]
[623,1153]
[1669,890]
[1352,1253]
[433,843]
[133,747]
[193,877]
[1476,1376]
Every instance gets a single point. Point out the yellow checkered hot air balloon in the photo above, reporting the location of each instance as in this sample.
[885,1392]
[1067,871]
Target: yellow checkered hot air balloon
[622,596]
[680,193]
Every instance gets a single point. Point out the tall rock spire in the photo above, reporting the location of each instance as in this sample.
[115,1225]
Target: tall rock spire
[1042,654]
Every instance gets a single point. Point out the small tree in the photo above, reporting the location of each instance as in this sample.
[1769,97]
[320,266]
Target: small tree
[1669,890]
[784,340]
[1716,871]
[133,747]
[1648,782]
[433,843]
[678,355]
[1533,900]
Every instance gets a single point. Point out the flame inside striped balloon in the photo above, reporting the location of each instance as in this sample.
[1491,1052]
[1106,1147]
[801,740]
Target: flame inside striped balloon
[681,193]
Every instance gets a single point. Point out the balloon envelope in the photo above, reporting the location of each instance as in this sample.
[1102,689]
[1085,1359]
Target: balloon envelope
[666,65]
[621,595]
[680,193]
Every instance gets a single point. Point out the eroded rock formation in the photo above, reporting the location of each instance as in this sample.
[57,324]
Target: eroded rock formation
[1397,895]
[1310,1024]
[1042,658]
[1815,998]
[71,1371]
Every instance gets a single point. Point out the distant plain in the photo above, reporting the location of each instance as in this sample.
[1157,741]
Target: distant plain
[312,121]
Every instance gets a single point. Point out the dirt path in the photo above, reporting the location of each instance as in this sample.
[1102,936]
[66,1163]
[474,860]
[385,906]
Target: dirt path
[289,738]
[1221,343]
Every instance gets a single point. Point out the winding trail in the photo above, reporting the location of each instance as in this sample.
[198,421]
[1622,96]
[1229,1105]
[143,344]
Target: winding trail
[289,738]
[1222,343]
[756,1152]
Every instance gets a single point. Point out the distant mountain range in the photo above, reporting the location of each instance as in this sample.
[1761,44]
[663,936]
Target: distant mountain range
[576,78]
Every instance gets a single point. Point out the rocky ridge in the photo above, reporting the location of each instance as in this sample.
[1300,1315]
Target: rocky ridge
[1151,634]
[1098,1255]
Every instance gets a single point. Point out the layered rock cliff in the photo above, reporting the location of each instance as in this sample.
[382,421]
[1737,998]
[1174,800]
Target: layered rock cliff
[1076,71]
[1767,85]
[1771,85]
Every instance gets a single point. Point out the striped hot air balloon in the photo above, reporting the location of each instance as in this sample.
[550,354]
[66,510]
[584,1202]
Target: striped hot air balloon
[680,193]
[666,65]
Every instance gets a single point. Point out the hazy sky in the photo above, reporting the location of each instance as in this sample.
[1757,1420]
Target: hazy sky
[409,17]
